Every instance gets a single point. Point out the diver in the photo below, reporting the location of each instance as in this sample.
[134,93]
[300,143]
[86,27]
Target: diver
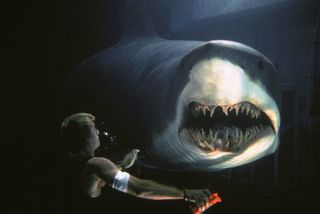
[80,132]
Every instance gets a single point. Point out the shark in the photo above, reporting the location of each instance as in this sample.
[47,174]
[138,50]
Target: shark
[199,106]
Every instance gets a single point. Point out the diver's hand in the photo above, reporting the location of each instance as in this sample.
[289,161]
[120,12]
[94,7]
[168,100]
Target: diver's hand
[198,196]
[129,159]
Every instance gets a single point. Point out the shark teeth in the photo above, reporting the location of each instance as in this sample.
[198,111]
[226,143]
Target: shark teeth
[225,127]
[213,108]
[225,138]
[209,110]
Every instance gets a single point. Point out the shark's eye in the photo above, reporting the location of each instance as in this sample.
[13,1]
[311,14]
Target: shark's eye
[260,65]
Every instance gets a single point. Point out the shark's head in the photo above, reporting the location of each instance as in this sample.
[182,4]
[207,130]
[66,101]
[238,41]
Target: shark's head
[227,113]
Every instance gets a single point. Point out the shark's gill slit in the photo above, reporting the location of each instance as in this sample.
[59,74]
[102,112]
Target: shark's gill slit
[227,128]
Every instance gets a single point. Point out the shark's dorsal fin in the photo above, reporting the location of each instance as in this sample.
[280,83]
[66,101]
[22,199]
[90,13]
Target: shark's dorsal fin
[137,22]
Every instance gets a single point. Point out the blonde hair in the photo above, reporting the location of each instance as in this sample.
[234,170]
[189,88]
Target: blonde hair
[76,130]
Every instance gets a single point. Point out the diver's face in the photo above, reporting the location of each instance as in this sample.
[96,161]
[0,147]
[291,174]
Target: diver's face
[94,142]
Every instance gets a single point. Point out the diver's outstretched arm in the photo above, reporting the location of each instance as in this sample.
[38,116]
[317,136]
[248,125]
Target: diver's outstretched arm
[101,171]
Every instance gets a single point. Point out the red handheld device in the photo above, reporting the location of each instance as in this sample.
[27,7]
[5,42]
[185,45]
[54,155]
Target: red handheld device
[213,199]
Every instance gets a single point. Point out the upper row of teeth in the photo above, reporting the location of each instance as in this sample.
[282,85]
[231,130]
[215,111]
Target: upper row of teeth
[243,108]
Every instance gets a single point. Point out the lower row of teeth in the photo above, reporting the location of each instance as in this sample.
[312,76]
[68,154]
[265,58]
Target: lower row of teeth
[225,138]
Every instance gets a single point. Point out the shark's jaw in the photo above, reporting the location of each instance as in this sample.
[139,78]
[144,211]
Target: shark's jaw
[226,128]
[225,115]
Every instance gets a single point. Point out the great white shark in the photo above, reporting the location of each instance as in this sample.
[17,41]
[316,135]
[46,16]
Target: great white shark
[189,105]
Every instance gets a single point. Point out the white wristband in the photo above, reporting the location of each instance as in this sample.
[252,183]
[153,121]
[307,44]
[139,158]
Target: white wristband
[120,181]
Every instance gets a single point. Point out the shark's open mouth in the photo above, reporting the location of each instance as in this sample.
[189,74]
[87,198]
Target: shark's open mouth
[227,128]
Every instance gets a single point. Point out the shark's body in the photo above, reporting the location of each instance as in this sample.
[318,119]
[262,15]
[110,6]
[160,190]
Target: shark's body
[190,105]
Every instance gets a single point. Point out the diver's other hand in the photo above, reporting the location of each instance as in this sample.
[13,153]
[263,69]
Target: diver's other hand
[198,196]
[129,159]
